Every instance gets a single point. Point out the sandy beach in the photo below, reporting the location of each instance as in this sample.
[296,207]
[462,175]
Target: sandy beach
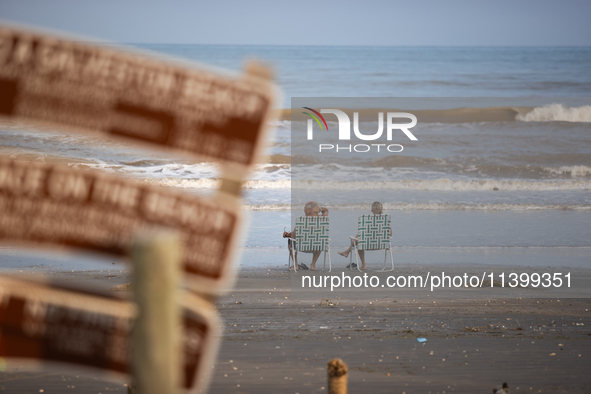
[274,340]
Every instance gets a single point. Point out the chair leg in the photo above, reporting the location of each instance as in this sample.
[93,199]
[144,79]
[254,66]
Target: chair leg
[386,260]
[293,256]
[357,258]
[385,256]
[391,258]
[324,265]
[329,261]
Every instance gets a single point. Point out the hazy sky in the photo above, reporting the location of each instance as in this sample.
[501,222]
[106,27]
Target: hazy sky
[260,22]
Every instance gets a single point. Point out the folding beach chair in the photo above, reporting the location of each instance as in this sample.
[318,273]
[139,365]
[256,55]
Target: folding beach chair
[373,233]
[311,236]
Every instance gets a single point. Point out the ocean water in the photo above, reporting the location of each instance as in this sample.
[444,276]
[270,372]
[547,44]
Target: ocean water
[351,71]
[486,183]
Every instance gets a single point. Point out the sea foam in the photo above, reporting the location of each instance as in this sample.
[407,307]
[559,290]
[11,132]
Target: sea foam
[402,206]
[557,112]
[573,171]
[442,184]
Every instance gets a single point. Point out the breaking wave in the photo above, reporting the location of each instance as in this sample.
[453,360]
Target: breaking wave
[214,183]
[442,184]
[573,171]
[547,113]
[557,112]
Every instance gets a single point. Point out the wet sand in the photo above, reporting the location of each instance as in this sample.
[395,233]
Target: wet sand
[276,341]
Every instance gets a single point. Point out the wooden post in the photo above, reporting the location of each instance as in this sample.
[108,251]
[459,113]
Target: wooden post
[337,376]
[156,357]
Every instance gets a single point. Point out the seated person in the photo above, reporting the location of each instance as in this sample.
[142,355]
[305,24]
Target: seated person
[376,209]
[310,209]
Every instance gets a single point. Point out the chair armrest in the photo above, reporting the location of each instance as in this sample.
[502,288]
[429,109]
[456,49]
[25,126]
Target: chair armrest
[353,238]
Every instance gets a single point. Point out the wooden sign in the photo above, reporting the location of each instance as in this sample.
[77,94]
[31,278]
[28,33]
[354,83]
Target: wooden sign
[49,205]
[65,83]
[40,322]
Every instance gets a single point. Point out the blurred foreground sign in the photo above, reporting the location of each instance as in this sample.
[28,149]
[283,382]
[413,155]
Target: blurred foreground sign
[52,205]
[41,322]
[69,84]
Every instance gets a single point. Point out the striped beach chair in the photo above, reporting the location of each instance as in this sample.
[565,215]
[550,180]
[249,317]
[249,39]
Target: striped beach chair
[311,236]
[373,233]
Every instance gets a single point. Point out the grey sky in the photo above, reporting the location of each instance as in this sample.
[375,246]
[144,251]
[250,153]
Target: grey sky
[261,22]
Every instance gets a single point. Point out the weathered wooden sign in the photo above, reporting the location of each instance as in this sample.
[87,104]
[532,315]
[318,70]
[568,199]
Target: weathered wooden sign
[170,104]
[43,322]
[51,205]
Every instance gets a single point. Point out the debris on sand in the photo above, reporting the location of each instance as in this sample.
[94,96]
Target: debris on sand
[327,302]
[504,390]
[123,287]
[473,329]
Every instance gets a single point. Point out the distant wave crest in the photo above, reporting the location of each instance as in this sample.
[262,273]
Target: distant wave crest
[557,112]
[547,113]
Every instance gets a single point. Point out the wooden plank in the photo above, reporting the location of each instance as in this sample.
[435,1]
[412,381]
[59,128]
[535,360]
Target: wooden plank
[62,82]
[52,323]
[52,205]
